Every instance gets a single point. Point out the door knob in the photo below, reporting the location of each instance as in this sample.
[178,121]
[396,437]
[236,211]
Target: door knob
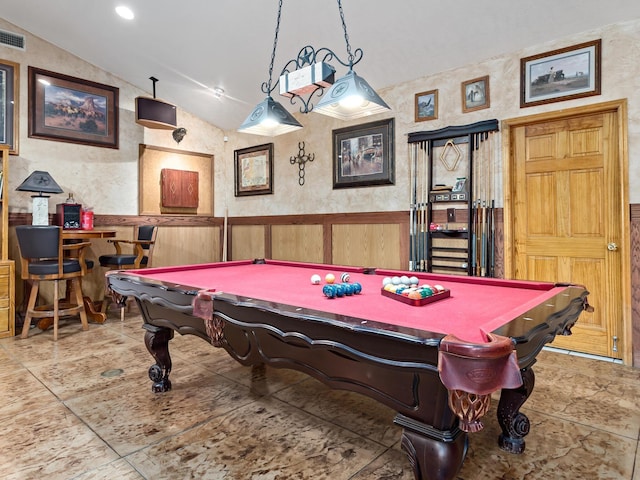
[612,247]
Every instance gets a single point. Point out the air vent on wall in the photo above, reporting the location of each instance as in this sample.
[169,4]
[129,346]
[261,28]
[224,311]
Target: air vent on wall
[11,39]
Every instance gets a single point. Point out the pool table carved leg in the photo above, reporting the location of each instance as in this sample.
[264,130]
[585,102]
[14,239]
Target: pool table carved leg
[156,340]
[433,454]
[514,424]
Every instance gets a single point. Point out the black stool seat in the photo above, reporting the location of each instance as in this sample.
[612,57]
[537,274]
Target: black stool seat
[121,261]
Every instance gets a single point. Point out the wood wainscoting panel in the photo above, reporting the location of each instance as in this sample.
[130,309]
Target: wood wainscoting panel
[300,243]
[182,246]
[248,241]
[367,245]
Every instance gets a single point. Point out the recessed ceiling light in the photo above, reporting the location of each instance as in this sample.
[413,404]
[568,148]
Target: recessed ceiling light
[217,92]
[125,12]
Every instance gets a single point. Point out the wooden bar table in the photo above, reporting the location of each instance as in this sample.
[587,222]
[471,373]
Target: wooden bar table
[76,235]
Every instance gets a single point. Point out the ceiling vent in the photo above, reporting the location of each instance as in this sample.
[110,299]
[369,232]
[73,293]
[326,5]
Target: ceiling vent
[11,39]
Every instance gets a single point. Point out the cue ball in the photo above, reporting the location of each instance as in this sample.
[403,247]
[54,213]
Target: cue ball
[330,278]
[315,279]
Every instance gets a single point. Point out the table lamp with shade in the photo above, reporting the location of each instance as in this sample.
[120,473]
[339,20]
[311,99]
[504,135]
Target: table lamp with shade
[40,182]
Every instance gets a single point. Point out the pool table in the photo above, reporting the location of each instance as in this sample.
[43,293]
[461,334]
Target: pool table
[408,356]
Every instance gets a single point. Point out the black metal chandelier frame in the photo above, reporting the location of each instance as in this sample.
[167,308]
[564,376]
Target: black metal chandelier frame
[308,56]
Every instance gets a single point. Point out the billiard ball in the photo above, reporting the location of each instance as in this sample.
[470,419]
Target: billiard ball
[404,280]
[357,288]
[329,291]
[344,278]
[395,280]
[386,281]
[330,278]
[315,279]
[413,280]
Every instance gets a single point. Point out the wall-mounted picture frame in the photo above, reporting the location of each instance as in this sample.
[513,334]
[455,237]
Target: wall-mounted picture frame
[475,94]
[70,109]
[426,105]
[253,172]
[559,75]
[9,112]
[363,155]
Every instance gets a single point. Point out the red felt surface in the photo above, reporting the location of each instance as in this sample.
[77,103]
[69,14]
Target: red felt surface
[473,308]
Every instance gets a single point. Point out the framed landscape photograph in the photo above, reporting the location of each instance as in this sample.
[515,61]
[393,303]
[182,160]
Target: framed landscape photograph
[475,94]
[254,170]
[426,107]
[363,155]
[69,109]
[9,95]
[564,74]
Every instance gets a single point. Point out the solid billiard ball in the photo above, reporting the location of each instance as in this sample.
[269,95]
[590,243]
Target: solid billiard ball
[329,291]
[386,281]
[357,288]
[395,280]
[315,279]
[330,278]
[413,280]
[404,280]
[344,278]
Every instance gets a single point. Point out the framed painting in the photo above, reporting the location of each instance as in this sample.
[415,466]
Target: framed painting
[475,94]
[426,106]
[9,95]
[69,109]
[363,155]
[253,171]
[558,75]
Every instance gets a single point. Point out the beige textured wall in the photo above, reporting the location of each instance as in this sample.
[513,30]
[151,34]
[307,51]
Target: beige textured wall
[620,79]
[104,178]
[108,179]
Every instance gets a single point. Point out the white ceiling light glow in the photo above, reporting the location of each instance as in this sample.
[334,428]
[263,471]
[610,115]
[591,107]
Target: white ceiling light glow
[125,12]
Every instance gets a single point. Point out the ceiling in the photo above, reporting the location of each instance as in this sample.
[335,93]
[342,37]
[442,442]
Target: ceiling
[196,45]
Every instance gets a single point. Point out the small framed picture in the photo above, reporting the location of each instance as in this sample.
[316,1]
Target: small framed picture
[254,170]
[426,106]
[475,94]
[461,185]
[564,74]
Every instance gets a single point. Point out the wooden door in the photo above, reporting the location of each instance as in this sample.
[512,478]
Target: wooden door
[566,196]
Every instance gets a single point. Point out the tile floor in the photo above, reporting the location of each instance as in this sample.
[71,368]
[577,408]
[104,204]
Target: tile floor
[82,408]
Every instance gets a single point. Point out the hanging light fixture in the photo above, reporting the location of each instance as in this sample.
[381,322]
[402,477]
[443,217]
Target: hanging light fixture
[351,96]
[269,117]
[309,73]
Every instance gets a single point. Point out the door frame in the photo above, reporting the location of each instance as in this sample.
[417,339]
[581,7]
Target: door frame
[618,108]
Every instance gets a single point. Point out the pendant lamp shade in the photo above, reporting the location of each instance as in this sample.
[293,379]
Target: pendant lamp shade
[269,118]
[349,98]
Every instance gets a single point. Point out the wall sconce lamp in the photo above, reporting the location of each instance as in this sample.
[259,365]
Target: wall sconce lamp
[40,182]
[348,98]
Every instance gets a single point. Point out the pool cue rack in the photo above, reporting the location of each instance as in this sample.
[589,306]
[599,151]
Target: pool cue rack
[452,210]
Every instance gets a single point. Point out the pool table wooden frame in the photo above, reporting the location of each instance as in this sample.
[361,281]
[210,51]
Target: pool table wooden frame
[394,365]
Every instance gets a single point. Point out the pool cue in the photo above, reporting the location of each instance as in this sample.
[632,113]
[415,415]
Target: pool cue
[423,210]
[412,208]
[224,234]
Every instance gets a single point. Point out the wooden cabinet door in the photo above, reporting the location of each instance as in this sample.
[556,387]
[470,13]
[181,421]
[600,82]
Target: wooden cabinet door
[567,218]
